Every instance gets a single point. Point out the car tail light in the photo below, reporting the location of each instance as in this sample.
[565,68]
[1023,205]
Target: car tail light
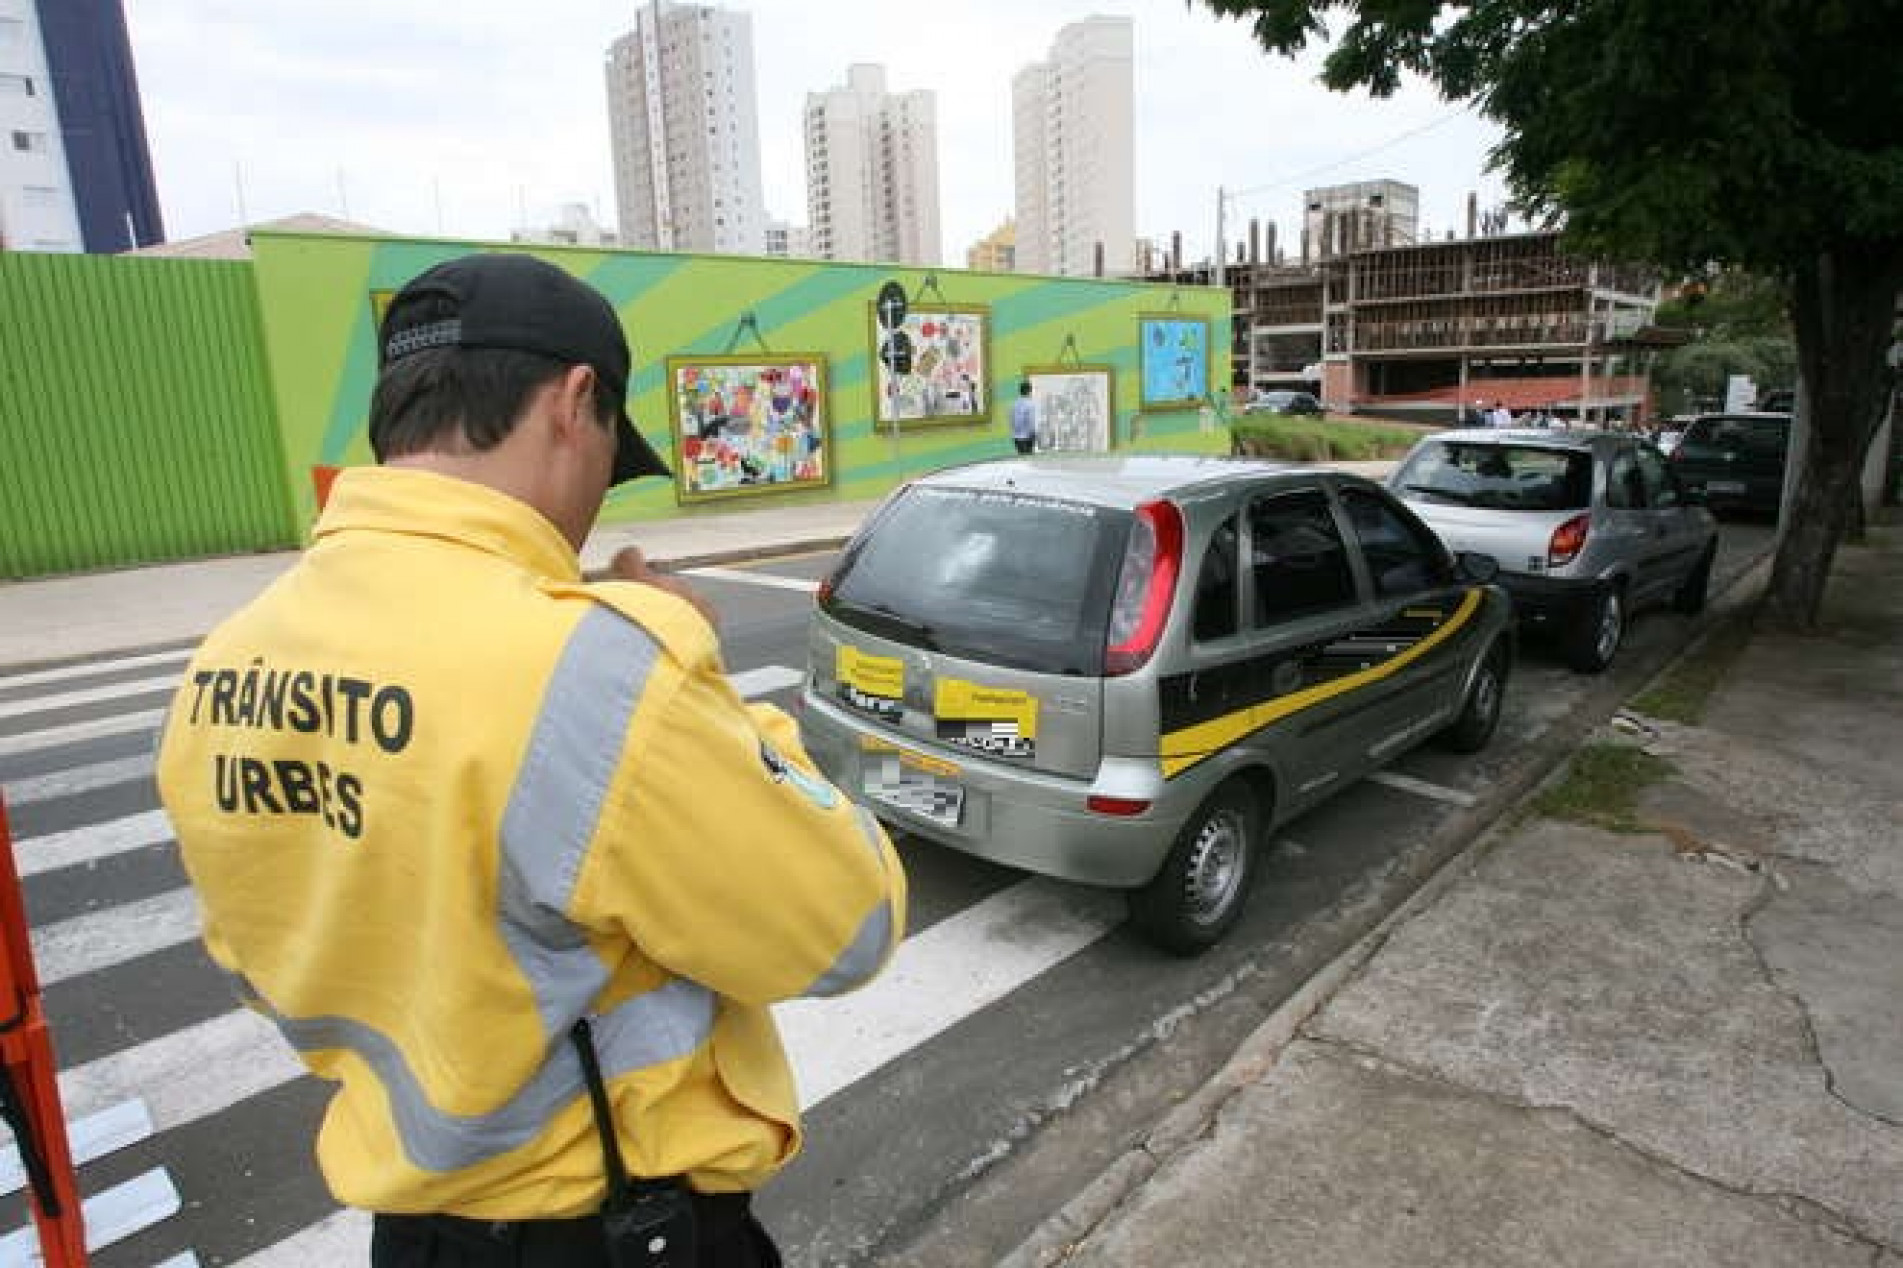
[1122,806]
[1568,540]
[824,593]
[1146,586]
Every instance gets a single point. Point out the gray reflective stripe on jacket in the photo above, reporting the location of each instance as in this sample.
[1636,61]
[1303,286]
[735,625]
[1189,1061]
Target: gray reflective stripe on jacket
[869,947]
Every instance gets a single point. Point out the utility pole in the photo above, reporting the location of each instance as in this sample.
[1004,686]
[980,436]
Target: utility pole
[1222,248]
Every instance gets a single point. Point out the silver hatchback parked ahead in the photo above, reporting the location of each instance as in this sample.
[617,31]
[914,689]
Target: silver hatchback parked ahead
[1587,527]
[1126,670]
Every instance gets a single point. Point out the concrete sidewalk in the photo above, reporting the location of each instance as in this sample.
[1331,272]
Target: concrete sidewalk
[1682,1047]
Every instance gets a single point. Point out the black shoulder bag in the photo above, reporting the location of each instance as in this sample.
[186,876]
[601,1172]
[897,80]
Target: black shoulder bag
[648,1223]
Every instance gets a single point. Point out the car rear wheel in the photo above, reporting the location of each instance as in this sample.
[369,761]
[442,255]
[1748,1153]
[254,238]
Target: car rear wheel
[1480,715]
[1597,639]
[1199,891]
[1690,596]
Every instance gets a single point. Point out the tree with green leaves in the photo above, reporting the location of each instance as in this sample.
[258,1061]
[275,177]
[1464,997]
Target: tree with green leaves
[1760,134]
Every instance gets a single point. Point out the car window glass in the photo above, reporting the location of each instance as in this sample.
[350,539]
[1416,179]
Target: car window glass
[1498,477]
[1402,557]
[1216,590]
[1661,486]
[1625,487]
[1011,579]
[1297,560]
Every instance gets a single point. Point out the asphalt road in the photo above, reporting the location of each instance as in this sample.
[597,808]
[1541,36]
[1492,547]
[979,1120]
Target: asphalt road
[1028,1040]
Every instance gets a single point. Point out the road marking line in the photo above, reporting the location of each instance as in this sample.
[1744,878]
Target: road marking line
[765,680]
[111,1216]
[189,1074]
[101,939]
[177,658]
[937,979]
[54,850]
[1421,788]
[75,780]
[89,695]
[73,732]
[88,1138]
[753,578]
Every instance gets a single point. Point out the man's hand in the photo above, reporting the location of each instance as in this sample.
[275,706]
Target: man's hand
[629,564]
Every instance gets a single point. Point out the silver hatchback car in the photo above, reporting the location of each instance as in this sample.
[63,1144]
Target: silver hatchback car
[1587,527]
[1125,671]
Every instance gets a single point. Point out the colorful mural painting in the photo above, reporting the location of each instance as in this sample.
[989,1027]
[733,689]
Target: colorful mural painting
[1175,357]
[748,424]
[1073,406]
[932,368]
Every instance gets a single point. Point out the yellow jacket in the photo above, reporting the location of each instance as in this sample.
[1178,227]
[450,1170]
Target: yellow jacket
[439,798]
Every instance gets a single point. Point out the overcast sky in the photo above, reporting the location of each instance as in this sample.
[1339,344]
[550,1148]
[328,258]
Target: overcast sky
[466,119]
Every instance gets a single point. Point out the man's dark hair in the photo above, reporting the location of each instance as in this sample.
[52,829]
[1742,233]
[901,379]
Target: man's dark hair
[422,401]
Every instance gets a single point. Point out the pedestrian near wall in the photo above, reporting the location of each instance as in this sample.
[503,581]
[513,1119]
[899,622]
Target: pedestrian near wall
[1024,419]
[500,850]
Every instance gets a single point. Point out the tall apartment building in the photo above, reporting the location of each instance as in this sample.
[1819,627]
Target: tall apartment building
[1073,141]
[75,171]
[788,240]
[872,171]
[684,118]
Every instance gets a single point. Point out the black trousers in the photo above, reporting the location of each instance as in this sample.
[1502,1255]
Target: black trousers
[1025,444]
[729,1238]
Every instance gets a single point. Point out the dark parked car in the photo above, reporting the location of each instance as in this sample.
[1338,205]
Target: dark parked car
[1284,402]
[1735,461]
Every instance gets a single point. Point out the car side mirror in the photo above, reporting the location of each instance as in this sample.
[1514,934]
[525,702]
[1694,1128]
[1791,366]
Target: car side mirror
[1475,566]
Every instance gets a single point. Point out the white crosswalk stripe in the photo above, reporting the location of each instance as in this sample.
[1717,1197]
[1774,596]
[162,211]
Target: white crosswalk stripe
[78,732]
[95,668]
[753,578]
[89,695]
[74,846]
[86,944]
[75,780]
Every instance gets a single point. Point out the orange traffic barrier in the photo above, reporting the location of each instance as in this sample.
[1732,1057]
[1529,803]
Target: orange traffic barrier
[29,1088]
[321,479]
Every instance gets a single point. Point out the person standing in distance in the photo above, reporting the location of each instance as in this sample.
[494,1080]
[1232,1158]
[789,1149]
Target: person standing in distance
[484,838]
[1024,419]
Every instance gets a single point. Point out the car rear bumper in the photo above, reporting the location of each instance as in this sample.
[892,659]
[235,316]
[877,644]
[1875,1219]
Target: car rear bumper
[1552,602]
[1007,814]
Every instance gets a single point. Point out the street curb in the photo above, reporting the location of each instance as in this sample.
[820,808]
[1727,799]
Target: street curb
[1484,825]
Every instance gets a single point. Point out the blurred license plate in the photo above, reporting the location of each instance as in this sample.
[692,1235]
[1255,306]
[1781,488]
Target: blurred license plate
[917,784]
[1724,486]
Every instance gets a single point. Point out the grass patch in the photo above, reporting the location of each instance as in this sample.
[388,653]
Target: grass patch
[1602,787]
[1683,691]
[1298,439]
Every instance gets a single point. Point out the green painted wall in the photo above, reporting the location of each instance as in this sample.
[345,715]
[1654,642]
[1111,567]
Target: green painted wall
[135,414]
[315,294]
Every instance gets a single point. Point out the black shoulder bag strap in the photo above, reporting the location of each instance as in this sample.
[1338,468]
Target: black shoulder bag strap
[648,1223]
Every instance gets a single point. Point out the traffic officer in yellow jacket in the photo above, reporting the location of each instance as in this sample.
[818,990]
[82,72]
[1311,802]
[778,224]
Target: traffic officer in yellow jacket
[442,799]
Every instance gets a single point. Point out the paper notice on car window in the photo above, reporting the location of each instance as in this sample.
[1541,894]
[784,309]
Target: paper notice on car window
[873,684]
[992,720]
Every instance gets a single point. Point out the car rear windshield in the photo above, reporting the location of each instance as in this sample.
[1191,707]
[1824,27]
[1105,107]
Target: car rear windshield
[1006,578]
[1499,477]
[1756,437]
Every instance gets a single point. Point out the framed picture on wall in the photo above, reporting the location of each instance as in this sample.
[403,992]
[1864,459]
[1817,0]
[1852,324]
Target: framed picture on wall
[932,368]
[749,424]
[1075,409]
[1174,354]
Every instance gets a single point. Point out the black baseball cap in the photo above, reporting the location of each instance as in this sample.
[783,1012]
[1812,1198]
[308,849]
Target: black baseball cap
[492,300]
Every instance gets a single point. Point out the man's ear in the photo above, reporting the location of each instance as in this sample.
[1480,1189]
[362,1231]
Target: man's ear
[575,397]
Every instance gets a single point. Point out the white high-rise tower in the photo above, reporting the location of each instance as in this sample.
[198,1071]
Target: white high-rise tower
[685,122]
[1073,128]
[872,172]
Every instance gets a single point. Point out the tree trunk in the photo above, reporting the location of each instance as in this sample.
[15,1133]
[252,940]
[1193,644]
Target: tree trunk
[1843,307]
